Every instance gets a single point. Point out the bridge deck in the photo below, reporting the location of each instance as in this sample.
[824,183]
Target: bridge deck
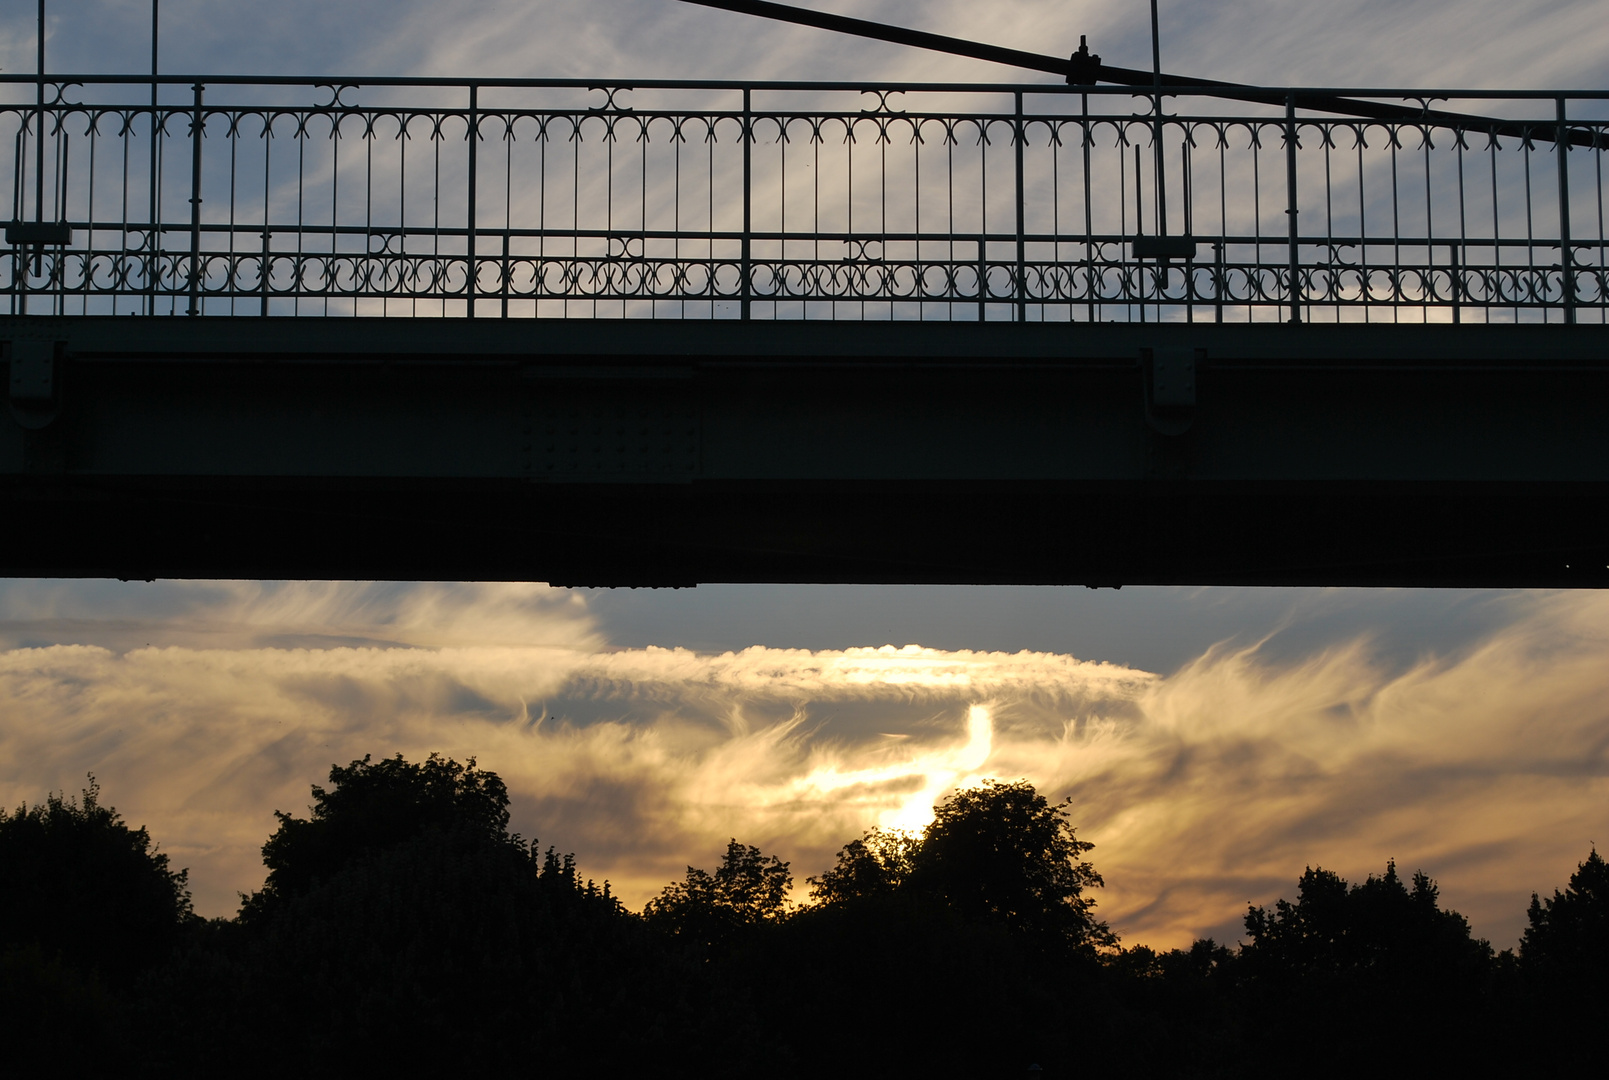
[666,453]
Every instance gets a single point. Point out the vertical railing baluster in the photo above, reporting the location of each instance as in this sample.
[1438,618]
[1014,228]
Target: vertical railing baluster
[1461,249]
[1089,212]
[151,244]
[508,207]
[19,171]
[19,266]
[1139,230]
[1603,249]
[197,126]
[268,236]
[60,200]
[39,145]
[1020,136]
[748,207]
[470,279]
[983,218]
[1187,197]
[1291,208]
[231,267]
[155,195]
[1566,256]
[39,157]
[1497,224]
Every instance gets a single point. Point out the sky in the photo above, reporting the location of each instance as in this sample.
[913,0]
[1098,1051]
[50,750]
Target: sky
[1213,742]
[1441,43]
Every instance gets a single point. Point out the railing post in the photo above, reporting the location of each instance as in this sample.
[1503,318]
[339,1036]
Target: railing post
[1139,230]
[197,126]
[1291,209]
[39,148]
[152,265]
[59,197]
[1566,256]
[20,257]
[39,168]
[471,279]
[1021,138]
[747,292]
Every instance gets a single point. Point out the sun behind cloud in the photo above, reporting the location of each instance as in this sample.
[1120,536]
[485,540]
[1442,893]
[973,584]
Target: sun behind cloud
[1203,789]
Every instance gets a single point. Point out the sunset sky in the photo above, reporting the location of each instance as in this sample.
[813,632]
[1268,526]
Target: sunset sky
[1214,741]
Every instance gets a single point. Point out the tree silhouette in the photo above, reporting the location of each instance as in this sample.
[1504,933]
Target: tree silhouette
[445,950]
[371,806]
[1001,853]
[875,865]
[1567,935]
[87,905]
[748,889]
[1378,964]
[1379,925]
[78,884]
[973,945]
[58,1019]
[718,930]
[1564,962]
[403,929]
[1180,1014]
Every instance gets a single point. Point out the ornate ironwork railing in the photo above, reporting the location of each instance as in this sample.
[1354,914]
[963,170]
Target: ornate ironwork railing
[514,198]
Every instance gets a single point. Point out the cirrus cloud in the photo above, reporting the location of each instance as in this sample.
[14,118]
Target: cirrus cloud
[1206,788]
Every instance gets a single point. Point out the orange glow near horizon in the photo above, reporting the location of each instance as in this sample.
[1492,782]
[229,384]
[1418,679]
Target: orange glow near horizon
[1203,789]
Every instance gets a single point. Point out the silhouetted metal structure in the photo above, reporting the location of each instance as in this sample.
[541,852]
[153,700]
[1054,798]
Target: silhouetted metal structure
[670,332]
[773,200]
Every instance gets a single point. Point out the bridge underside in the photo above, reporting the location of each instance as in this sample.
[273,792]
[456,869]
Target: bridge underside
[672,453]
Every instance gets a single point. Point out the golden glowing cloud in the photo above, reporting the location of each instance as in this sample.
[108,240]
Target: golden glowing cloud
[1203,790]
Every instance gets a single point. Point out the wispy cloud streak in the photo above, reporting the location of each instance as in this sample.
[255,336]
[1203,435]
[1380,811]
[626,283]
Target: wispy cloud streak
[1333,42]
[1204,789]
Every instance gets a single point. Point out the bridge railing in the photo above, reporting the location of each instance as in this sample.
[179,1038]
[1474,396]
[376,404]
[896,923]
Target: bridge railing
[519,198]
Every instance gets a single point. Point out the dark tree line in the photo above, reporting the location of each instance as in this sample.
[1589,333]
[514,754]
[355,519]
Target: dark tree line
[402,927]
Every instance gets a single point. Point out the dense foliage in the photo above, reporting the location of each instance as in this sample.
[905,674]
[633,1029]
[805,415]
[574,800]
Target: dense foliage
[80,887]
[706,910]
[87,905]
[402,928]
[1564,962]
[372,806]
[1000,854]
[1374,965]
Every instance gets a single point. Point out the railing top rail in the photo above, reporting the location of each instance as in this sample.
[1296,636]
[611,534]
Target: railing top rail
[1055,89]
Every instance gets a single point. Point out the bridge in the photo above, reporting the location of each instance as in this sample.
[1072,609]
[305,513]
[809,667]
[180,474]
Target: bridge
[665,332]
